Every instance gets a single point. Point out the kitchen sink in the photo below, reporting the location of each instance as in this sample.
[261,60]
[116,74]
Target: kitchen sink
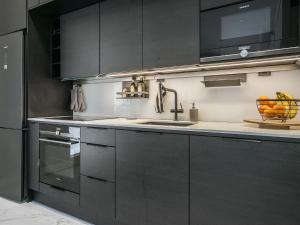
[163,123]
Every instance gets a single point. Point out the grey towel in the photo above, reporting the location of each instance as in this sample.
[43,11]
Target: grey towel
[74,99]
[81,100]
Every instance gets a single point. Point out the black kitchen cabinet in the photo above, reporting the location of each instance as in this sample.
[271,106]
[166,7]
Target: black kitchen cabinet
[32,3]
[35,3]
[33,157]
[120,35]
[11,164]
[79,36]
[97,201]
[98,162]
[170,33]
[236,181]
[12,16]
[151,178]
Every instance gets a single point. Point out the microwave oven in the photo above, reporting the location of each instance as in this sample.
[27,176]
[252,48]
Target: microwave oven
[237,29]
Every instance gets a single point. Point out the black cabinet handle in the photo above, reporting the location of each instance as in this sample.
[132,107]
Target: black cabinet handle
[57,188]
[98,179]
[97,145]
[149,132]
[244,140]
[96,128]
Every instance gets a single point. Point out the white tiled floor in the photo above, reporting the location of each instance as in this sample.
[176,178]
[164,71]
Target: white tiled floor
[33,213]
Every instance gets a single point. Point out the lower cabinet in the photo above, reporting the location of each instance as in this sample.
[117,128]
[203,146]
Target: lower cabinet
[152,177]
[97,201]
[244,182]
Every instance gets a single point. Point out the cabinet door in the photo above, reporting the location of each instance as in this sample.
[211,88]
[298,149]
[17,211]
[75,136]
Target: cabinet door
[170,33]
[236,182]
[98,161]
[12,16]
[12,80]
[33,157]
[151,178]
[11,164]
[120,35]
[80,43]
[32,3]
[97,201]
[45,1]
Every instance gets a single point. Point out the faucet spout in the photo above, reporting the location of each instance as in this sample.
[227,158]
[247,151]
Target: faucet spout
[176,110]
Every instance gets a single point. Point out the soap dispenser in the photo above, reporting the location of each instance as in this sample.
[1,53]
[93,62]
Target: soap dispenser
[194,114]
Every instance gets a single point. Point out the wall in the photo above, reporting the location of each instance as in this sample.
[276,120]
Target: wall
[230,104]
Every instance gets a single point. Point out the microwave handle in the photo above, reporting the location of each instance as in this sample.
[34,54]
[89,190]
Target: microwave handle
[56,142]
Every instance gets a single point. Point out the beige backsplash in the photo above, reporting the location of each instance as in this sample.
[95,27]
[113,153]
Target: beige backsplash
[230,104]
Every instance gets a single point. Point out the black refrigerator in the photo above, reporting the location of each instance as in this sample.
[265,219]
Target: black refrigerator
[12,116]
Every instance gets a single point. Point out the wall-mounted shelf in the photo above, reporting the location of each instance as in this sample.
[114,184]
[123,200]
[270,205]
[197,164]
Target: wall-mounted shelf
[137,95]
[133,95]
[229,80]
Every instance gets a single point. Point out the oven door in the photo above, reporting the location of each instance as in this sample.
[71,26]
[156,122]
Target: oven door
[60,163]
[252,26]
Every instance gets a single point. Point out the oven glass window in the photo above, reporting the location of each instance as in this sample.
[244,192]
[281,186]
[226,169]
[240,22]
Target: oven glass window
[245,24]
[60,165]
[57,160]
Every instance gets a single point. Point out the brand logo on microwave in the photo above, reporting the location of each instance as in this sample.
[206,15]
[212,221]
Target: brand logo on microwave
[244,6]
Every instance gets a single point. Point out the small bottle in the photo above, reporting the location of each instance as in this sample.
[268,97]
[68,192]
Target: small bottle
[141,87]
[194,114]
[133,87]
[124,95]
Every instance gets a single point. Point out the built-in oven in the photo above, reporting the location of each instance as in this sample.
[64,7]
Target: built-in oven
[60,157]
[236,29]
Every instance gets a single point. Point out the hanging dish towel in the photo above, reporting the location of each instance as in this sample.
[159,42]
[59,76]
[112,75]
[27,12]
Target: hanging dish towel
[74,99]
[77,99]
[81,99]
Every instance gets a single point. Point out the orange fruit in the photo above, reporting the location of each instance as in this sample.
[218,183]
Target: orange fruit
[272,104]
[262,108]
[280,110]
[270,113]
[263,100]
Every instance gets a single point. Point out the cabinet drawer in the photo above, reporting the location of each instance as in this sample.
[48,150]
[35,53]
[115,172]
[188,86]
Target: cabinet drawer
[97,201]
[61,195]
[98,161]
[100,136]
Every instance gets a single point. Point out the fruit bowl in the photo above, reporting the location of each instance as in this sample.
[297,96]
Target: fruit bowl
[283,108]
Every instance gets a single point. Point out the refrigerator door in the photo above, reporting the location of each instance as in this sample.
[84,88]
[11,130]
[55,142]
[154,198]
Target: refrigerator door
[11,81]
[11,164]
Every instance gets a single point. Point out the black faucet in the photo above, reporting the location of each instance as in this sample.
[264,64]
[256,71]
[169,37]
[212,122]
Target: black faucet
[176,110]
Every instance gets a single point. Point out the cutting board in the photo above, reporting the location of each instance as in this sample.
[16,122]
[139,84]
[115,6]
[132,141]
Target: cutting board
[274,124]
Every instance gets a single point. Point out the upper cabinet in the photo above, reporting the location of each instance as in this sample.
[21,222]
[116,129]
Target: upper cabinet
[120,35]
[32,3]
[35,3]
[79,32]
[12,16]
[170,33]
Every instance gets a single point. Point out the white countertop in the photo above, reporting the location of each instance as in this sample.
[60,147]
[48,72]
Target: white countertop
[209,127]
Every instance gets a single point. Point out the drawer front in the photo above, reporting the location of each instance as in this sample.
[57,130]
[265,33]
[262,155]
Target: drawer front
[98,161]
[100,136]
[61,195]
[97,201]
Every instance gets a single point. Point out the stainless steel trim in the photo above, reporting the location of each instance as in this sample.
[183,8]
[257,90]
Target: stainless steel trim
[63,135]
[57,142]
[48,132]
[224,80]
[251,54]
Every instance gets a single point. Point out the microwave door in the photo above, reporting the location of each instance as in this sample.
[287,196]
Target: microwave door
[237,26]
